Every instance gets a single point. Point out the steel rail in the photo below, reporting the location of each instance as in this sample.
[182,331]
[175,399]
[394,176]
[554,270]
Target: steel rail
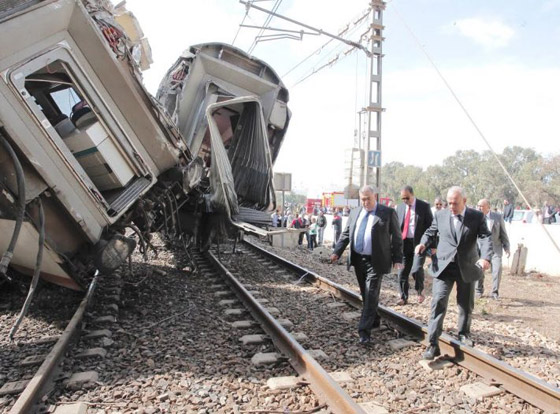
[321,383]
[33,390]
[526,386]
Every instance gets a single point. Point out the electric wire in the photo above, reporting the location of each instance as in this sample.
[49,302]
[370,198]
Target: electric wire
[240,26]
[266,23]
[318,50]
[470,118]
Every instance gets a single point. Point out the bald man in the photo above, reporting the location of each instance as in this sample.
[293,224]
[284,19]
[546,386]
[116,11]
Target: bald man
[500,243]
[459,263]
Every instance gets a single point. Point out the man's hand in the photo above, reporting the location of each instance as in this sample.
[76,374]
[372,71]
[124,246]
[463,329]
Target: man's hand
[484,264]
[507,254]
[398,266]
[420,249]
[334,258]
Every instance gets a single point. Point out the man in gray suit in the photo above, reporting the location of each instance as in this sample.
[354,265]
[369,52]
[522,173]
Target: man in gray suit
[500,243]
[375,240]
[459,228]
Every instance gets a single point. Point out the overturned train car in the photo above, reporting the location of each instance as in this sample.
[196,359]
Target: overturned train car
[91,163]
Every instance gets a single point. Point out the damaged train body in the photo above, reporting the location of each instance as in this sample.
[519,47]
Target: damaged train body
[91,164]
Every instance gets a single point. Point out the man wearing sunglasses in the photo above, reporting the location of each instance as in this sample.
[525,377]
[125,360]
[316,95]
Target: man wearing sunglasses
[415,217]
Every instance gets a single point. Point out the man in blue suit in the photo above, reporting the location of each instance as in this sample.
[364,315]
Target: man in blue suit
[375,240]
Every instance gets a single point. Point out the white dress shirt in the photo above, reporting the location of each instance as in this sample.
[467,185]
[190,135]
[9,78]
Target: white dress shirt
[412,221]
[367,250]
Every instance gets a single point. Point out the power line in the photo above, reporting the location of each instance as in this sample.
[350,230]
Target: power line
[317,51]
[470,118]
[266,23]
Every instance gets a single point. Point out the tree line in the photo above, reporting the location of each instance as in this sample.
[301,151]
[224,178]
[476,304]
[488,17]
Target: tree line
[481,176]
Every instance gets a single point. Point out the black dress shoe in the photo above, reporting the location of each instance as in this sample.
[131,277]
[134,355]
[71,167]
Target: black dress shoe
[466,340]
[364,339]
[431,352]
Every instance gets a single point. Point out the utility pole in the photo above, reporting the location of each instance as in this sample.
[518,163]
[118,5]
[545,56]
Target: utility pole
[372,145]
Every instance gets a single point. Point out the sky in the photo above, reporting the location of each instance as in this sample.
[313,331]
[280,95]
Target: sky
[500,57]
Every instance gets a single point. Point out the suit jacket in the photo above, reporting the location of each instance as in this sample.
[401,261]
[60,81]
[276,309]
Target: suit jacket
[463,247]
[423,218]
[508,211]
[500,239]
[386,239]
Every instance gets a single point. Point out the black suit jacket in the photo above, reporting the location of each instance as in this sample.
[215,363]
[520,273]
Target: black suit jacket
[386,239]
[423,219]
[463,247]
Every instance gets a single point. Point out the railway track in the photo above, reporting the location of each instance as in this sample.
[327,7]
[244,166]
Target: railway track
[30,391]
[525,386]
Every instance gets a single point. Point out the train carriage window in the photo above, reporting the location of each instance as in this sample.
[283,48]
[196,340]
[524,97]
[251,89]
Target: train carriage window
[60,98]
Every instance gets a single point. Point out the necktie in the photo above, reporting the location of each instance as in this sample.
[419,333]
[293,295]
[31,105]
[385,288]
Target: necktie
[406,223]
[458,226]
[360,239]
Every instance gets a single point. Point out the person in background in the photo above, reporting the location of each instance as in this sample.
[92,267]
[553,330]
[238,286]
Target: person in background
[547,213]
[508,211]
[337,225]
[299,224]
[276,218]
[438,205]
[375,240]
[500,243]
[321,226]
[312,237]
[462,231]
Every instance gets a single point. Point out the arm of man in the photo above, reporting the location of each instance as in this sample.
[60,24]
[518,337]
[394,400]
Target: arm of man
[504,237]
[396,240]
[429,237]
[485,243]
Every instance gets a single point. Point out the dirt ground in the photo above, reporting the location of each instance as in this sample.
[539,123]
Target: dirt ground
[532,299]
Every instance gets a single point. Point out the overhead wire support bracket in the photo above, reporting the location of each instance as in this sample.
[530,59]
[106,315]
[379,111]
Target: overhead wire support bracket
[319,31]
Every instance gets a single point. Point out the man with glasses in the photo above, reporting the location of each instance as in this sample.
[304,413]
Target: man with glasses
[500,243]
[415,217]
[459,229]
[375,242]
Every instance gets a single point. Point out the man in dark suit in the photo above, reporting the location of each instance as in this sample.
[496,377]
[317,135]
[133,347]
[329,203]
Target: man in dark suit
[500,243]
[375,240]
[415,217]
[508,211]
[459,228]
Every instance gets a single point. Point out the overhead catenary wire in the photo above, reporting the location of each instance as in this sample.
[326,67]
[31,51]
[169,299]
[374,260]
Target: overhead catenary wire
[266,23]
[470,118]
[357,22]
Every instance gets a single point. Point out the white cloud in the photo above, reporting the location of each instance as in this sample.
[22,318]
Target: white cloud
[489,33]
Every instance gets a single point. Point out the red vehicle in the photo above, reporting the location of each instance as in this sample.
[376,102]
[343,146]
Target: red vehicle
[312,204]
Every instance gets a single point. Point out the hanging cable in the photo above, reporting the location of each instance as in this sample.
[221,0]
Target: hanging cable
[241,24]
[20,179]
[470,118]
[36,273]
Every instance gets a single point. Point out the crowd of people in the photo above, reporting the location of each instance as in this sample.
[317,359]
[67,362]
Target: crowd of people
[460,241]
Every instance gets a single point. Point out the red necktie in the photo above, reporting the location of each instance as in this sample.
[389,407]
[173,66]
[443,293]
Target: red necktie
[406,222]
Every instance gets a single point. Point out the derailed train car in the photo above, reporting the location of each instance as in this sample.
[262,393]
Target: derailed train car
[87,153]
